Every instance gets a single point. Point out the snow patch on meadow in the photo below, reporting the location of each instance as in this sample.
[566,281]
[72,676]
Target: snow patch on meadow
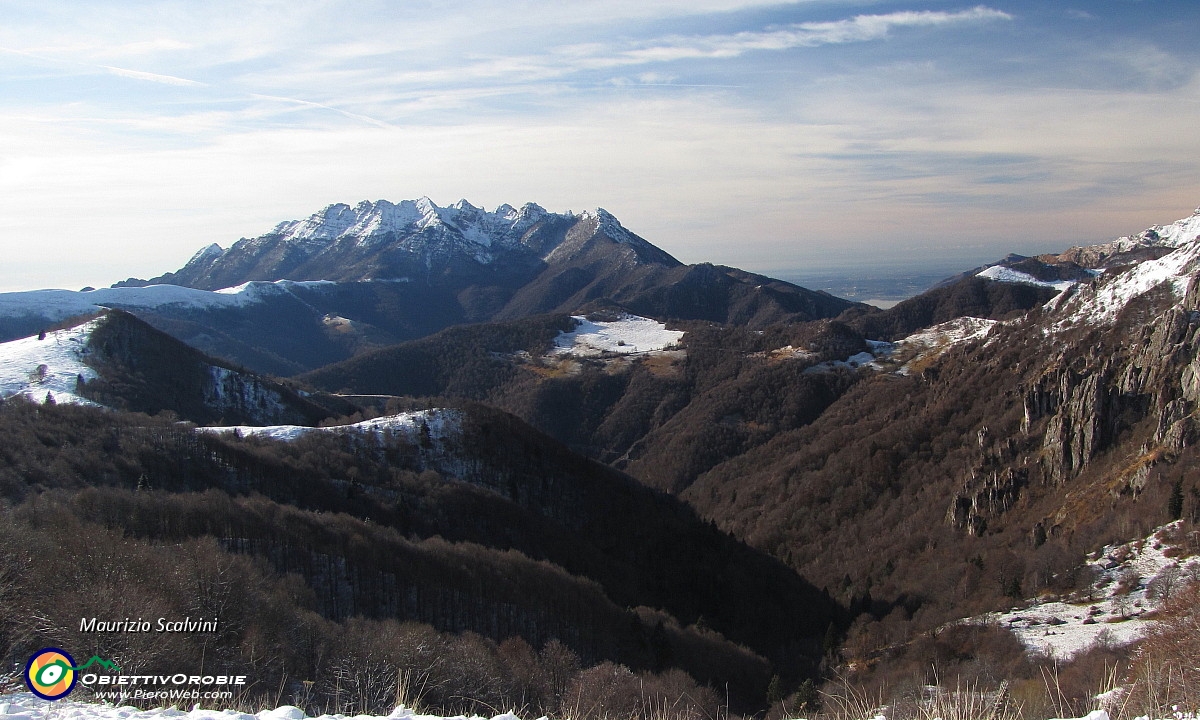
[626,335]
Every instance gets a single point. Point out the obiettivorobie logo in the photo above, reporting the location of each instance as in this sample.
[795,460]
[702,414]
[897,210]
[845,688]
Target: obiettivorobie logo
[51,672]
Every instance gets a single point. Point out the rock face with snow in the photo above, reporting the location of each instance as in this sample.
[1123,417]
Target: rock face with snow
[1149,243]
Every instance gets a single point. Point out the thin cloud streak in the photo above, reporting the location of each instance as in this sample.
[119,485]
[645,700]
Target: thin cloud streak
[569,59]
[152,77]
[861,28]
[322,106]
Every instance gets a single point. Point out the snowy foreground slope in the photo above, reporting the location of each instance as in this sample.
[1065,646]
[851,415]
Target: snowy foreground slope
[24,706]
[1130,583]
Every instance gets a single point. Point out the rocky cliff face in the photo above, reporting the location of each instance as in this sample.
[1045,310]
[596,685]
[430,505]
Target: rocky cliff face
[987,469]
[1123,384]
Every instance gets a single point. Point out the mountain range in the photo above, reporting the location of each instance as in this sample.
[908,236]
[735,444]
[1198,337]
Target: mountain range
[352,278]
[711,458]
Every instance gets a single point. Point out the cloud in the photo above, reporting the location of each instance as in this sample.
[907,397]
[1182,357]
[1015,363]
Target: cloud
[516,73]
[151,77]
[861,28]
[961,137]
[322,106]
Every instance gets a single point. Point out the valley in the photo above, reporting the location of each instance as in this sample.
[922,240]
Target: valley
[545,446]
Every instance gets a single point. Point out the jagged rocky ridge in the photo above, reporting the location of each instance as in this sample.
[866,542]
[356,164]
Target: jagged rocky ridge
[409,241]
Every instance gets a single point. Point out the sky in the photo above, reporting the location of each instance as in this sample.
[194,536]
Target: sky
[771,136]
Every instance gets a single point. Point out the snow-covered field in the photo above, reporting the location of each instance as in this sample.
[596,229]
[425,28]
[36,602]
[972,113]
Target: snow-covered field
[34,368]
[953,332]
[1000,273]
[1114,610]
[628,335]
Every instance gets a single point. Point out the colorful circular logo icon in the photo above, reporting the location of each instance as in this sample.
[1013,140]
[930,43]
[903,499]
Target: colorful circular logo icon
[50,673]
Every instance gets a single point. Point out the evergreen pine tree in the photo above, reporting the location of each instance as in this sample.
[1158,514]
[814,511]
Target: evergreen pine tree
[1175,502]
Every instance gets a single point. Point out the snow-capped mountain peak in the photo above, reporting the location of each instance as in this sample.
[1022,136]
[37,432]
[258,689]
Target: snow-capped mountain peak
[608,224]
[1101,301]
[370,223]
[1173,235]
[206,254]
[410,239]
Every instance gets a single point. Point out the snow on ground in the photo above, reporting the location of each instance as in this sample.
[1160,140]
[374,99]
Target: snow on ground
[1114,610]
[953,332]
[34,368]
[626,336]
[54,305]
[25,706]
[1101,303]
[900,355]
[442,424]
[1000,273]
[932,341]
[1174,235]
[854,362]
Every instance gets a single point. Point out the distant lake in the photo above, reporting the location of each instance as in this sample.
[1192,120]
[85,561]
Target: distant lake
[880,286]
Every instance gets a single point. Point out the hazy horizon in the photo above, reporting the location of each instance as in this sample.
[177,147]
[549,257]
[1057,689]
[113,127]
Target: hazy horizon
[764,135]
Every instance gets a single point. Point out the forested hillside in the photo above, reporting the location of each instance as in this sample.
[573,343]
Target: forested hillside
[490,529]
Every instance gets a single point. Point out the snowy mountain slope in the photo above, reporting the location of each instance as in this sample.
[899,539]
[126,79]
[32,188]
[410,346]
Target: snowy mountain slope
[480,233]
[379,273]
[1130,581]
[118,361]
[1100,303]
[921,347]
[51,306]
[1149,243]
[1174,235]
[412,238]
[1097,282]
[50,364]
[1002,273]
